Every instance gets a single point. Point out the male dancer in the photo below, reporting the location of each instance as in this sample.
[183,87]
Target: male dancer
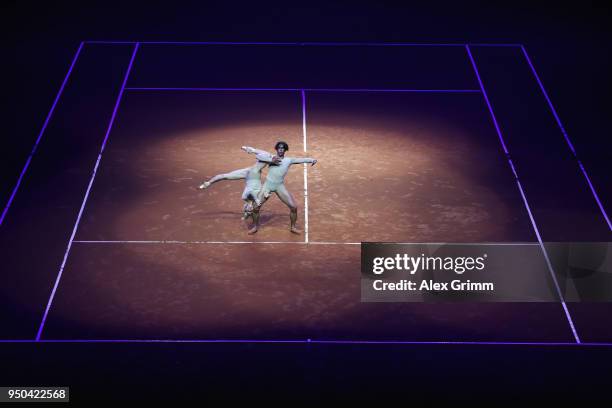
[252,175]
[275,183]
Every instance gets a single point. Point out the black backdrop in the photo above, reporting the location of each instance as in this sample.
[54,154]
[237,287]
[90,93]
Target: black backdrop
[570,46]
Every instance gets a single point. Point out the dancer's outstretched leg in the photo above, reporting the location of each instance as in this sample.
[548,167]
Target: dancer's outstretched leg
[234,175]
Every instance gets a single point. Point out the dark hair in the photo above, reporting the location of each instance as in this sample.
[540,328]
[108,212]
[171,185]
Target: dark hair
[285,145]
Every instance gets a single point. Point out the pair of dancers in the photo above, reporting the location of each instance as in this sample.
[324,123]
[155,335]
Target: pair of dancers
[255,194]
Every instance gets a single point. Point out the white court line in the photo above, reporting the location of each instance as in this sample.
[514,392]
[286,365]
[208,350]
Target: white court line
[305,168]
[213,242]
[188,242]
[298,242]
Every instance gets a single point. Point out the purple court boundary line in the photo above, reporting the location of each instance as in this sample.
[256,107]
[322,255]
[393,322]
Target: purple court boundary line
[195,89]
[39,340]
[567,139]
[304,43]
[93,176]
[40,134]
[533,223]
[311,341]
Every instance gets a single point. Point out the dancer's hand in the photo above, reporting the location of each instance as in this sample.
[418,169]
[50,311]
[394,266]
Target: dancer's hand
[314,162]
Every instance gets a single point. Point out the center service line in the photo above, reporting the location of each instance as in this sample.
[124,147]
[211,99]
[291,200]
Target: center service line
[305,168]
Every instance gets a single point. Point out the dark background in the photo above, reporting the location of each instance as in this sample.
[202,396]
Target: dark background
[570,47]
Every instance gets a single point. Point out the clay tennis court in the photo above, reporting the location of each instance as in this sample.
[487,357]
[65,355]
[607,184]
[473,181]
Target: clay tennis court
[107,238]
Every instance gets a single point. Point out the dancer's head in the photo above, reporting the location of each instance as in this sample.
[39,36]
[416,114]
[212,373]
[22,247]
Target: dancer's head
[281,147]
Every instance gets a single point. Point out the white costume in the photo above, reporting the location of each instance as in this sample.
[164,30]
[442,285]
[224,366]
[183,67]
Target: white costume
[253,175]
[275,181]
